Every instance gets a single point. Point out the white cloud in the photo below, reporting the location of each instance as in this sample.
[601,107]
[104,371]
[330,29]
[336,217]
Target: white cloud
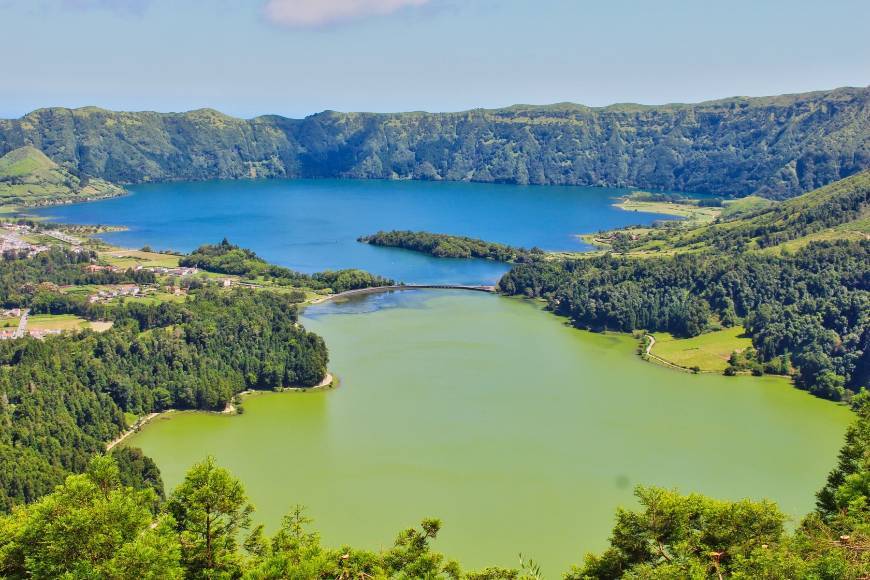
[314,13]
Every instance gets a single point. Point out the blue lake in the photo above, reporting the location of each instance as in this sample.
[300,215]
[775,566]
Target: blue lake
[313,225]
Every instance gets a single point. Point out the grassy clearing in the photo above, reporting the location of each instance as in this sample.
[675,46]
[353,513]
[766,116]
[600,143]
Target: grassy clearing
[745,205]
[12,322]
[855,231]
[84,289]
[130,418]
[709,352]
[692,213]
[132,258]
[158,298]
[56,322]
[101,326]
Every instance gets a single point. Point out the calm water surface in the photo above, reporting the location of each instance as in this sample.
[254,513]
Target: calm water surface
[312,225]
[520,433]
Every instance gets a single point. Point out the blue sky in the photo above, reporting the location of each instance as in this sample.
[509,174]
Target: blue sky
[296,57]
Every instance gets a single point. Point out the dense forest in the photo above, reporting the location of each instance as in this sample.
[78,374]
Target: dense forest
[773,146]
[447,246]
[105,525]
[225,258]
[62,399]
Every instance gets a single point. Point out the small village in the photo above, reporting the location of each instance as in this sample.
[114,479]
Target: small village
[11,240]
[32,240]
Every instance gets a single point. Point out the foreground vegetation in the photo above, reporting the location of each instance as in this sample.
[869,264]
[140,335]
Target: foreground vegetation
[112,522]
[447,246]
[730,147]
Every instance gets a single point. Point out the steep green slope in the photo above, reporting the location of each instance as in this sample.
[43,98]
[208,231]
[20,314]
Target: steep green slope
[774,146]
[840,210]
[28,177]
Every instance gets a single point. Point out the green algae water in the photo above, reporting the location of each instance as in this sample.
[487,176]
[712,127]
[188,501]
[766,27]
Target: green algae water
[520,433]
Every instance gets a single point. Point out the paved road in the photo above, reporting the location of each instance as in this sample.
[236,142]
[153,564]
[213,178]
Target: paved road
[652,343]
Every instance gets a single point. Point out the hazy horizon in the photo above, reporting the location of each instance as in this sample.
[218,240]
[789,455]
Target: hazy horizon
[298,57]
[268,114]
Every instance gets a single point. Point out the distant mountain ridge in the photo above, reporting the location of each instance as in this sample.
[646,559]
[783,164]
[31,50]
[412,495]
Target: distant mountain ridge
[777,147]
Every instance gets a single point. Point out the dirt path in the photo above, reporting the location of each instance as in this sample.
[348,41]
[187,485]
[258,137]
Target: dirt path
[649,354]
[136,426]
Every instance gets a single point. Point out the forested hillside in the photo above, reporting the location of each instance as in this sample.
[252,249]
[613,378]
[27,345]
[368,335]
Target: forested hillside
[806,307]
[773,146]
[63,398]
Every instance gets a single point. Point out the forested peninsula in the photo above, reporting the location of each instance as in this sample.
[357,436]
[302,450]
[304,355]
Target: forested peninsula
[776,146]
[447,246]
[226,258]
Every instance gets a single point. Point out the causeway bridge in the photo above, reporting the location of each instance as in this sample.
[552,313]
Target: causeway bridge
[375,289]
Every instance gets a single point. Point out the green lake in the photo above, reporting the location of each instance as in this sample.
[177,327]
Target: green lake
[520,433]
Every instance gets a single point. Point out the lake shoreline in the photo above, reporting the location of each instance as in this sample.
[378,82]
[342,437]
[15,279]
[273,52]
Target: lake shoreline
[329,382]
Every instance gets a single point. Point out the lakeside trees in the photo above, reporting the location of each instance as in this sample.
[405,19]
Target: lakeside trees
[226,258]
[812,307]
[63,398]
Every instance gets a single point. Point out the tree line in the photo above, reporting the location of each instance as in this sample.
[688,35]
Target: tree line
[447,246]
[226,258]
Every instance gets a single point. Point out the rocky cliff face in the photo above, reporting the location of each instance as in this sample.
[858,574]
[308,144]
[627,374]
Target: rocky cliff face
[775,146]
